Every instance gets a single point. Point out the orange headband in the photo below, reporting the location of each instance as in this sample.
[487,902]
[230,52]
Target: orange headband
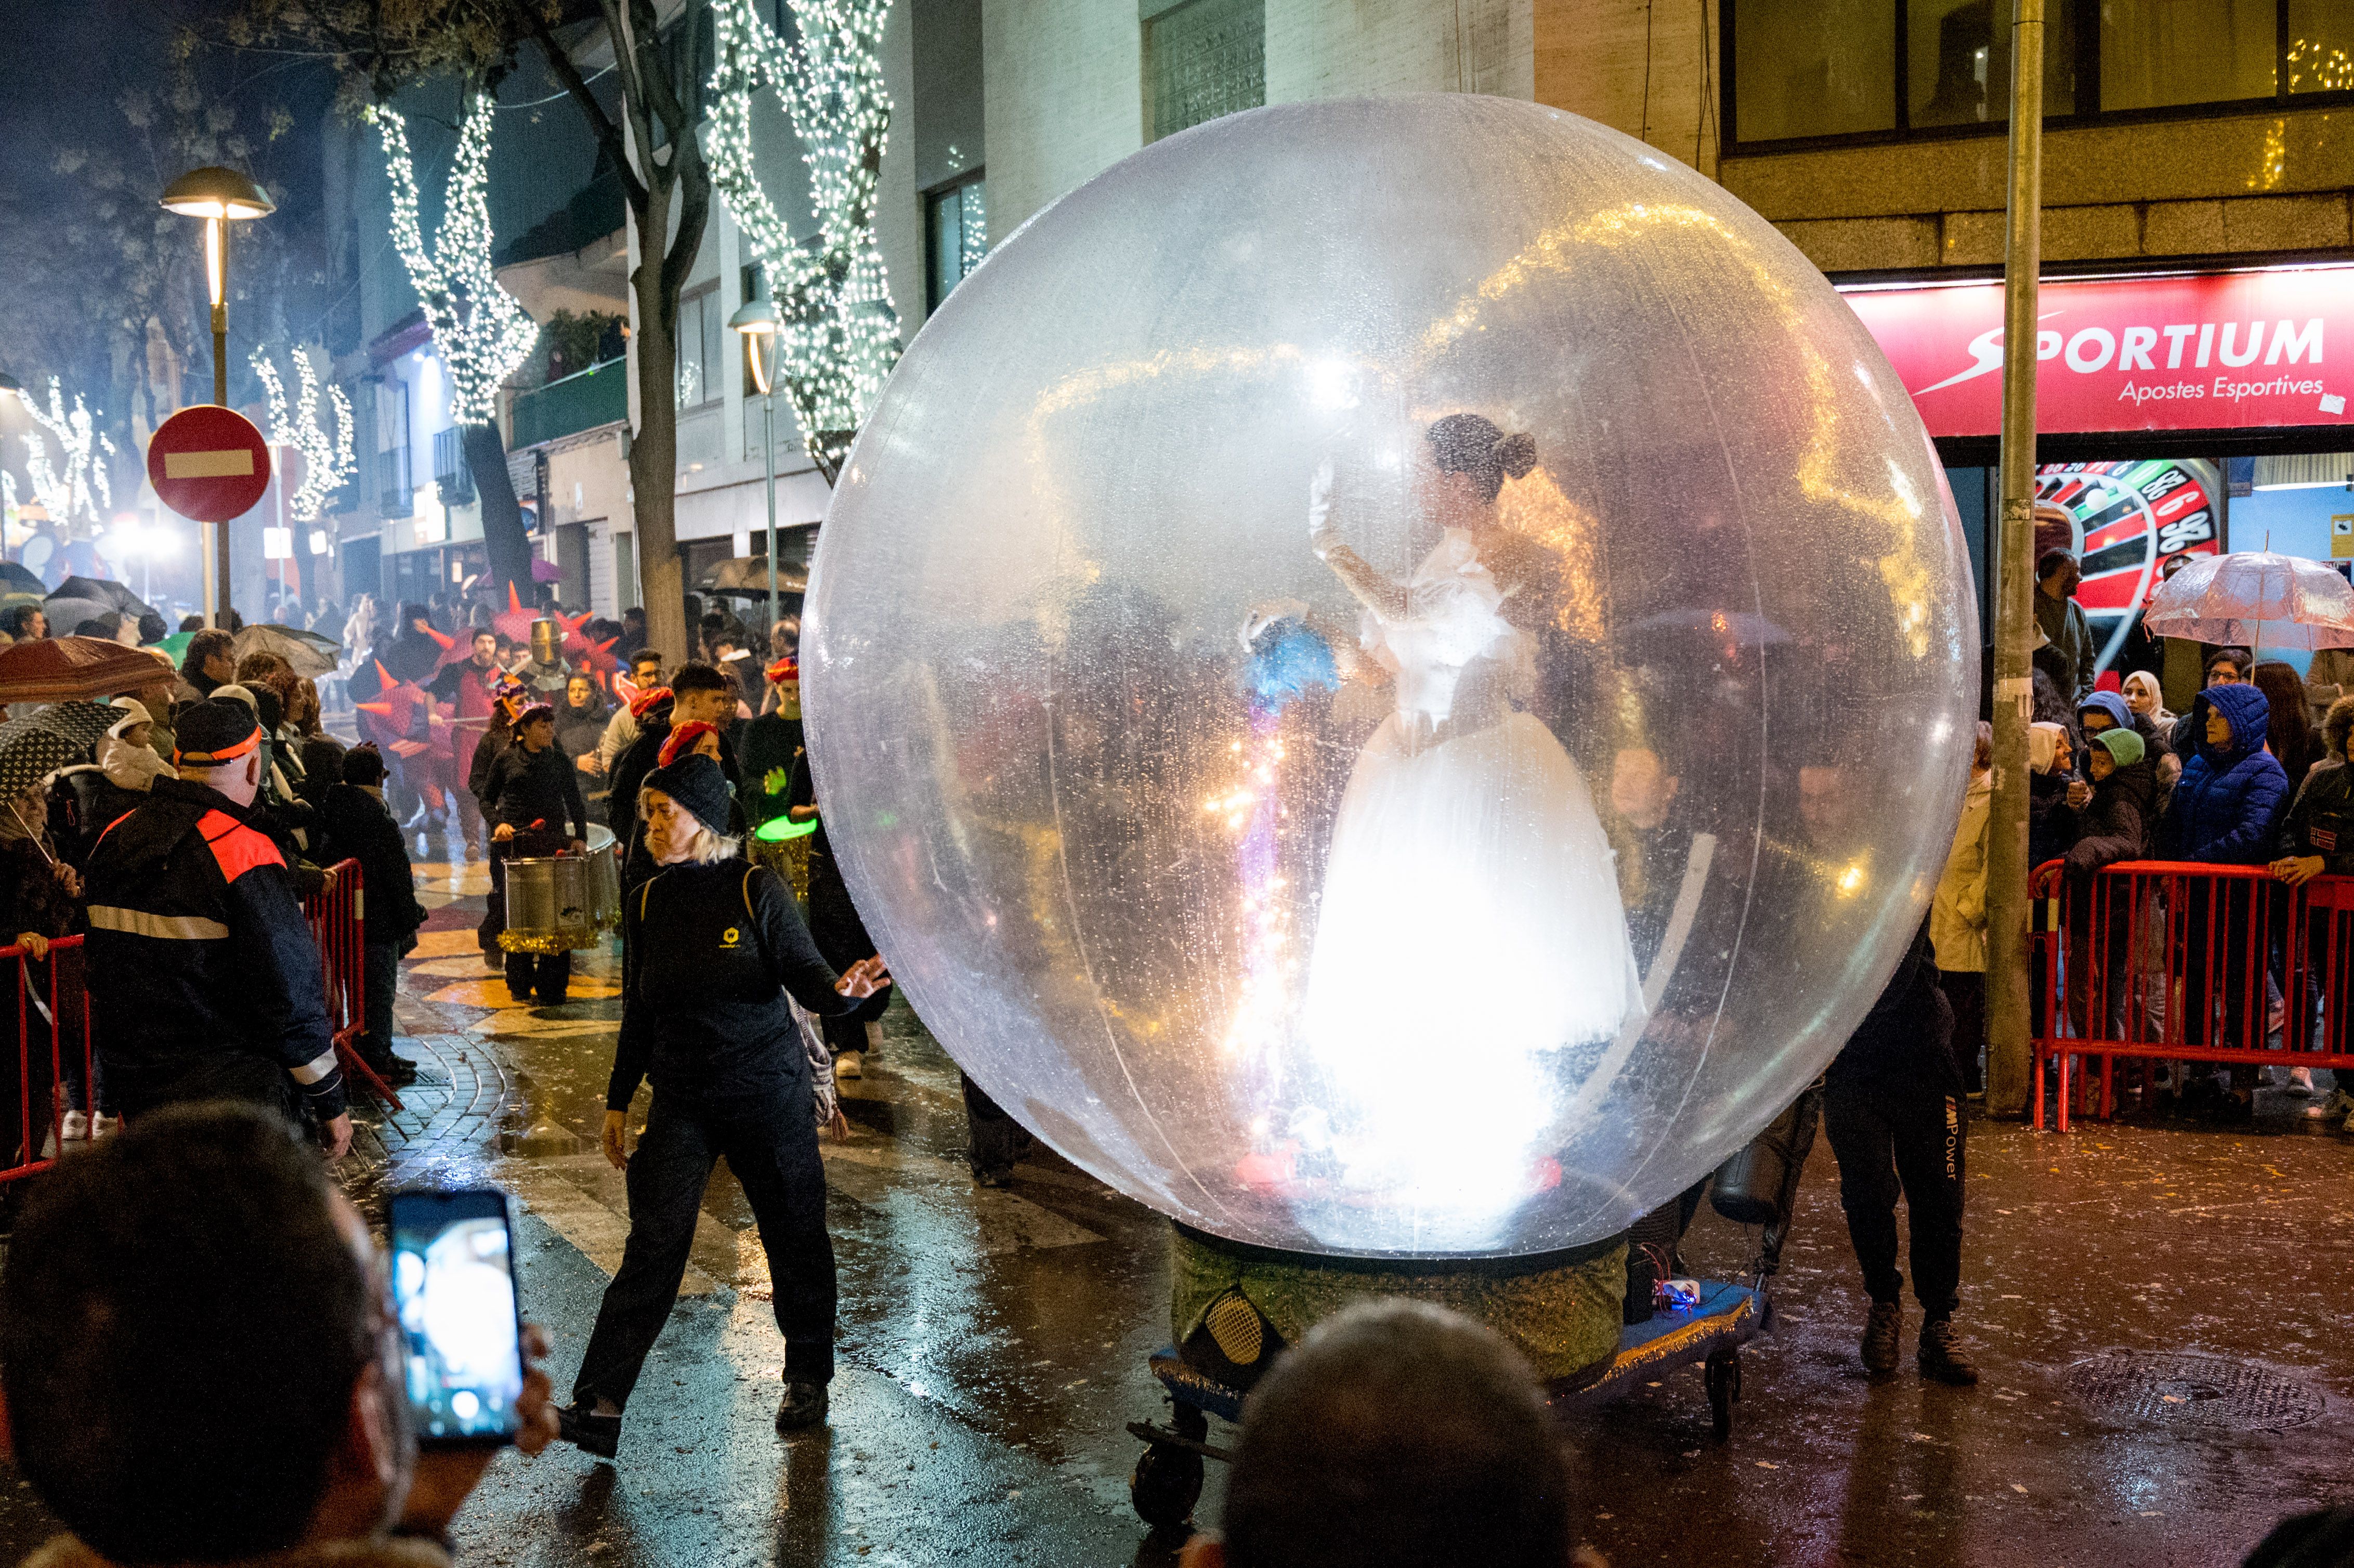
[215,758]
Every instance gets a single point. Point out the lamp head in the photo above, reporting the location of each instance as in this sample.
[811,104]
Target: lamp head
[215,192]
[757,318]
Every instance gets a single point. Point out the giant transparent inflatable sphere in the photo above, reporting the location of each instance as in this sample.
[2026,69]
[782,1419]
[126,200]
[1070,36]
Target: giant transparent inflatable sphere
[1393,677]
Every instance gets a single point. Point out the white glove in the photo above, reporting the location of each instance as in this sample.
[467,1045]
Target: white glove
[1320,534]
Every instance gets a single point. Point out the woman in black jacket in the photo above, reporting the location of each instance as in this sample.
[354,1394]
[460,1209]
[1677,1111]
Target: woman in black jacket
[498,734]
[532,800]
[360,826]
[712,948]
[2316,839]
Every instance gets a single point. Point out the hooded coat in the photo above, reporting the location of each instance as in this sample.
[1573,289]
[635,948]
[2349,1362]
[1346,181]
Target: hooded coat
[2154,743]
[2051,821]
[2117,822]
[2321,819]
[1957,914]
[2231,796]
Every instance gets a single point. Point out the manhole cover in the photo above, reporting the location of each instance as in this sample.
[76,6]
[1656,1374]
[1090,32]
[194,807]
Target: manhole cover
[2207,1391]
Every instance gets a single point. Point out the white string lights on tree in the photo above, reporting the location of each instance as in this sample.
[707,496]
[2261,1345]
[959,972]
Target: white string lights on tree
[482,332]
[75,488]
[839,335]
[328,462]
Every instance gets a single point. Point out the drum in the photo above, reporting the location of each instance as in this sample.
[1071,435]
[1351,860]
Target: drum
[550,906]
[604,879]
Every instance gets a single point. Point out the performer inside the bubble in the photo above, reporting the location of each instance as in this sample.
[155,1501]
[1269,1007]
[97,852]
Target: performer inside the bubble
[1467,837]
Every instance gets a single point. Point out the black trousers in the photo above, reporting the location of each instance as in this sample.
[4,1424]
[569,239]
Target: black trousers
[995,1140]
[1965,995]
[1892,1140]
[770,1143]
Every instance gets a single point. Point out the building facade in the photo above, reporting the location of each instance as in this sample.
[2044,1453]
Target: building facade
[2198,156]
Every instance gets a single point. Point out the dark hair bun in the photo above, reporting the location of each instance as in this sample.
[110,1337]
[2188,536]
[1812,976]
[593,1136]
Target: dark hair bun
[1517,454]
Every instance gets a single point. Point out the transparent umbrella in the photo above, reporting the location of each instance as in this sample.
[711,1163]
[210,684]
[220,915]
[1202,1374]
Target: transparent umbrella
[2257,600]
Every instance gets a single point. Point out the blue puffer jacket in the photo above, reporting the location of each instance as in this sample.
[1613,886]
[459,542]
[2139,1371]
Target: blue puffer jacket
[2230,796]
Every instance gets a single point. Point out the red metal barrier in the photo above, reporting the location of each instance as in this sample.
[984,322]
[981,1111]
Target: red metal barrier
[2168,961]
[338,923]
[52,1003]
[46,1005]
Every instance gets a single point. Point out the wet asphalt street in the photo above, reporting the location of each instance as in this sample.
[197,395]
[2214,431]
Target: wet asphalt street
[2160,1315]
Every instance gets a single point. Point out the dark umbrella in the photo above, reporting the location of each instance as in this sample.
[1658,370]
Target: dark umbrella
[83,723]
[306,652]
[112,595]
[77,599]
[747,577]
[16,580]
[29,752]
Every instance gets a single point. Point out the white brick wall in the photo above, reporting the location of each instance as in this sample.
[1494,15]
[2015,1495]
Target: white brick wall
[1346,49]
[1062,91]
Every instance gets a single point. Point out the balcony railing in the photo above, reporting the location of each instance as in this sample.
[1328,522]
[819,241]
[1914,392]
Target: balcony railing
[581,401]
[450,470]
[395,495]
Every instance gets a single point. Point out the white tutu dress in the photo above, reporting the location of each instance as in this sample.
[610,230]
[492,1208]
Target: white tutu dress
[1470,916]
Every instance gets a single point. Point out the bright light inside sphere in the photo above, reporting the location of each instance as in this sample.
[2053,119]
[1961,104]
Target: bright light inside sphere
[1393,676]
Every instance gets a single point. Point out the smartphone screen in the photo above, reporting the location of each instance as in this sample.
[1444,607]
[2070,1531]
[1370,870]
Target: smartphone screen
[453,1288]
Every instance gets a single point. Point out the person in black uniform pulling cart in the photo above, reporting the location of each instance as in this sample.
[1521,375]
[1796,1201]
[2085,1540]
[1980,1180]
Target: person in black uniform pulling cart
[712,945]
[533,794]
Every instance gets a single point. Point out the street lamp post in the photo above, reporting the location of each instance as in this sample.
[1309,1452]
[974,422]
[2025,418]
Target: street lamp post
[219,196]
[758,322]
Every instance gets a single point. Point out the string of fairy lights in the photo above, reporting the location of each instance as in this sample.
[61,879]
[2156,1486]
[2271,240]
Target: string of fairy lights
[328,460]
[75,487]
[839,333]
[482,332]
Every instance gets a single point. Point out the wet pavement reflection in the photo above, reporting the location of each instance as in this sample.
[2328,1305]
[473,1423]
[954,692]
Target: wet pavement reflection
[2159,1315]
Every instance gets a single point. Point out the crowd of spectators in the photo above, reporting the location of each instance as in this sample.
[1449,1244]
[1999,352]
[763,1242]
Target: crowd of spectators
[2254,772]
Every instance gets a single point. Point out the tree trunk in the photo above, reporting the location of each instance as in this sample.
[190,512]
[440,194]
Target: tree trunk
[503,539]
[653,452]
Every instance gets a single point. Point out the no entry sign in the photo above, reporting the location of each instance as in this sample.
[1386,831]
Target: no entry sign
[209,464]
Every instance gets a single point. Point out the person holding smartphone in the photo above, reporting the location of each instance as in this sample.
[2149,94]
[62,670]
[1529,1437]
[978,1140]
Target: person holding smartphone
[712,947]
[204,1360]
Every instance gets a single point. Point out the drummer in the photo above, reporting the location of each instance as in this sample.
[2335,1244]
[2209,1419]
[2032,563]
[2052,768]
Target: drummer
[531,797]
[713,946]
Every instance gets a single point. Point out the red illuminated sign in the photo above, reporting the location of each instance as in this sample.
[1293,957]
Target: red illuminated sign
[2212,352]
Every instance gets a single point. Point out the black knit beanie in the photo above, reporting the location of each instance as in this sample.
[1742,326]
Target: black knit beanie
[695,782]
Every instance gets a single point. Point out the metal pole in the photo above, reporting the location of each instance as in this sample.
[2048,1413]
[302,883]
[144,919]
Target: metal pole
[2009,1052]
[217,585]
[769,448]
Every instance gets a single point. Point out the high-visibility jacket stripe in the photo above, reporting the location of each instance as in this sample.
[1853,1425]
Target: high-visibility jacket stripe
[316,1068]
[237,848]
[171,927]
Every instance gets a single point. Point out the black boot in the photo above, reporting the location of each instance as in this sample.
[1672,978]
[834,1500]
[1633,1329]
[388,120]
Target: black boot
[804,1404]
[396,1070]
[1942,1357]
[588,1432]
[1880,1337]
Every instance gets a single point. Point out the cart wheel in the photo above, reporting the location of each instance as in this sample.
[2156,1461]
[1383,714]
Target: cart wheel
[1165,1485]
[1723,1376]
